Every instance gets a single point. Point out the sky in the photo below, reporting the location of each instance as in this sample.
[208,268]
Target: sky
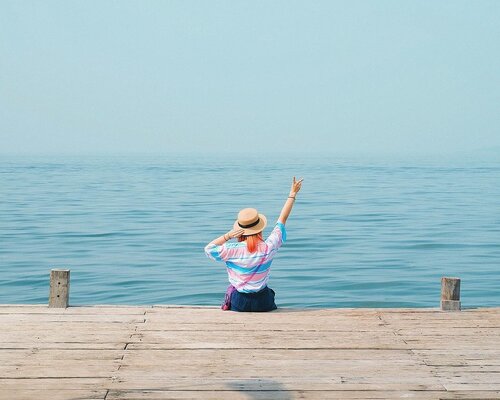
[220,77]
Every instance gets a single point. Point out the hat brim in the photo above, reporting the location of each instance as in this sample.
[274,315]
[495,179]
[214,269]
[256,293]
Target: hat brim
[254,229]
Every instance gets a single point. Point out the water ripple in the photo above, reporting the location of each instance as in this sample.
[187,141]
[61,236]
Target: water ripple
[362,233]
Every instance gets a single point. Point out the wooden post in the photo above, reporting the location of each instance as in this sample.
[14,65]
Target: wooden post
[450,294]
[59,288]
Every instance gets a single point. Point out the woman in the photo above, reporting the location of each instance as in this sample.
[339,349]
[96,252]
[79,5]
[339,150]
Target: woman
[248,261]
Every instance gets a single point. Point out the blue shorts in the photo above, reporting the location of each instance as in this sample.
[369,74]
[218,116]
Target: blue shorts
[260,301]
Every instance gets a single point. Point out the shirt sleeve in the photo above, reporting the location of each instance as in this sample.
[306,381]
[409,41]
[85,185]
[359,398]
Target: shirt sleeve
[277,236]
[217,253]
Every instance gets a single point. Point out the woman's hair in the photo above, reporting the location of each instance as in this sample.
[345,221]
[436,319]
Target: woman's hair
[252,241]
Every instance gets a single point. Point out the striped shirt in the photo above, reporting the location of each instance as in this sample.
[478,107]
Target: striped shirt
[248,272]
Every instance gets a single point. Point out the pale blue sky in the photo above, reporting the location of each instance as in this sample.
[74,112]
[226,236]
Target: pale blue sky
[334,76]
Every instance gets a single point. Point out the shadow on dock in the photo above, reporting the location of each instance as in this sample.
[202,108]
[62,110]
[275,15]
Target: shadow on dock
[258,389]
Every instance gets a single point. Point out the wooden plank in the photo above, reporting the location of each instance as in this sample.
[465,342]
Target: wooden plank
[440,319]
[59,394]
[89,310]
[439,315]
[441,357]
[471,395]
[475,344]
[467,368]
[302,394]
[75,369]
[225,327]
[442,316]
[283,342]
[472,387]
[63,345]
[202,315]
[69,325]
[455,341]
[51,384]
[274,394]
[456,331]
[158,356]
[257,335]
[108,309]
[50,337]
[460,362]
[491,378]
[465,353]
[15,356]
[371,322]
[366,371]
[264,384]
[91,318]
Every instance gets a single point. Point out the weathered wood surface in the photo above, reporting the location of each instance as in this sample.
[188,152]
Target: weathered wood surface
[150,352]
[450,294]
[59,288]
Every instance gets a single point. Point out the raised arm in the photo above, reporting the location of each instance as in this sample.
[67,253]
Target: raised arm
[287,208]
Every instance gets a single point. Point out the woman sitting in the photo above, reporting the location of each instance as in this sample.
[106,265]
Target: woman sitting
[248,261]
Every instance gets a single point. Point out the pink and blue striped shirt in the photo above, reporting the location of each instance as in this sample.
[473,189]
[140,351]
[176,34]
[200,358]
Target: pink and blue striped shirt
[248,272]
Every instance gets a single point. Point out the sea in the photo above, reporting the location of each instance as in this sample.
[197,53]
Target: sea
[364,231]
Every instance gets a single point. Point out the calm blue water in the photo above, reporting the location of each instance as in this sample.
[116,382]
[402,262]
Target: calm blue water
[363,233]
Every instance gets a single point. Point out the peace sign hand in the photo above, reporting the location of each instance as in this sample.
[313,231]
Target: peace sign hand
[296,185]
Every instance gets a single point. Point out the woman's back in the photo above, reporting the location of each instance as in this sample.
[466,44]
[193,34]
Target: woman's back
[249,271]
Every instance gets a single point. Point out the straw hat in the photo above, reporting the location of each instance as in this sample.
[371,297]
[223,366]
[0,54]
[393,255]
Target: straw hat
[251,221]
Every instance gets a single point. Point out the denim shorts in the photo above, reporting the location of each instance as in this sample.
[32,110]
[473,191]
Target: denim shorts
[260,301]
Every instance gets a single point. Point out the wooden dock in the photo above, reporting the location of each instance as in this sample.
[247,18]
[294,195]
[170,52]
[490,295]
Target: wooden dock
[157,352]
